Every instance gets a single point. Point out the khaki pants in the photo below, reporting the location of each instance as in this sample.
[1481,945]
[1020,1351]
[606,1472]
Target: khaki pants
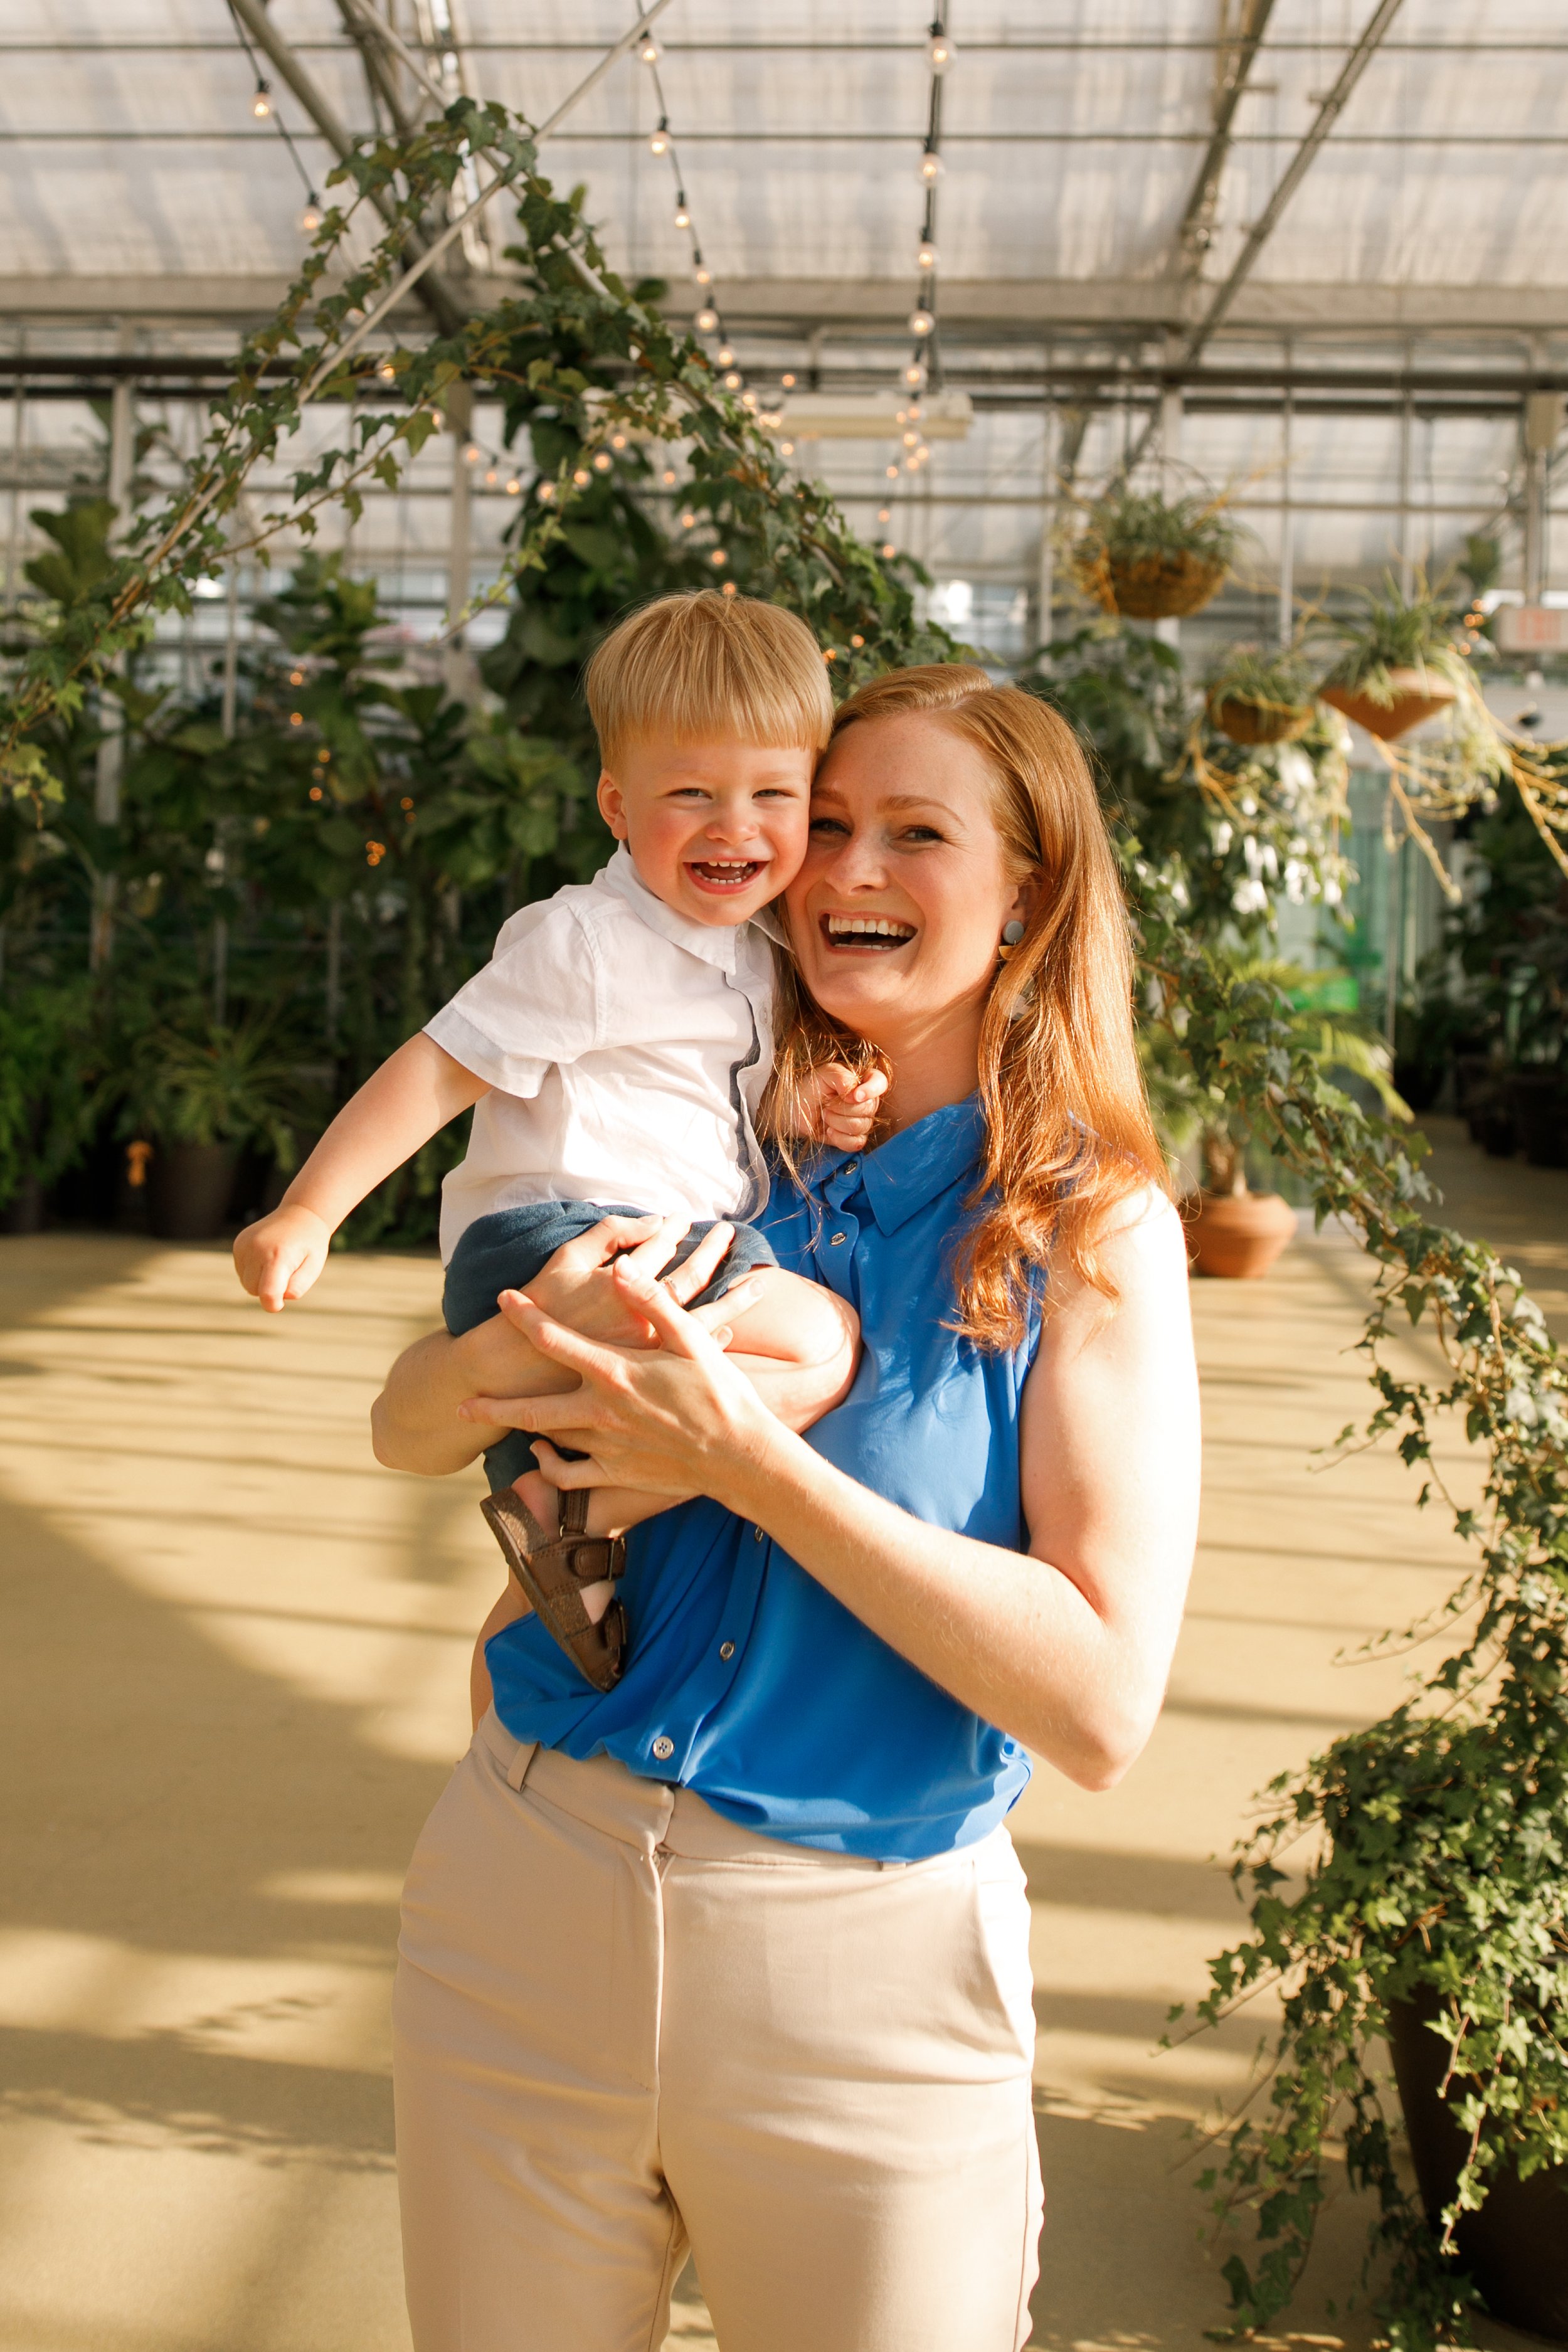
[624,2026]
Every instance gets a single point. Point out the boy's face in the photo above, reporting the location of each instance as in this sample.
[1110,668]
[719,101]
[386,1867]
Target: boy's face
[715,829]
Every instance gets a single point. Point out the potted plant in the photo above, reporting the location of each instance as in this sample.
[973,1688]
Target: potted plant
[1232,1231]
[196,1095]
[1398,661]
[1149,558]
[1257,696]
[48,1095]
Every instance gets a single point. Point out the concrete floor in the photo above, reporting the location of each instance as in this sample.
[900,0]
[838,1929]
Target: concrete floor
[232,1673]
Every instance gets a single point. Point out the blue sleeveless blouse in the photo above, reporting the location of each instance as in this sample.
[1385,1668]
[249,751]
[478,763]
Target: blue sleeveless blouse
[745,1679]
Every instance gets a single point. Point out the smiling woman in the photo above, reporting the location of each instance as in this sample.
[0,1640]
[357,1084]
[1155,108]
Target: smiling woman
[733,1952]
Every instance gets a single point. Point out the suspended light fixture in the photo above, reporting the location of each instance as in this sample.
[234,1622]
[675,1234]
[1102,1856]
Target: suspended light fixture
[682,211]
[660,144]
[311,218]
[648,50]
[938,49]
[261,104]
[930,167]
[921,322]
[725,356]
[925,259]
[706,320]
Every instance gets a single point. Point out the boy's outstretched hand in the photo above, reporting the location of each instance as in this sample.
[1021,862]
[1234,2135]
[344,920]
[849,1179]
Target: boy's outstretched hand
[840,1106]
[280,1256]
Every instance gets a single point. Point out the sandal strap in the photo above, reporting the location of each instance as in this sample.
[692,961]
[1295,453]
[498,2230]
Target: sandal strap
[552,1570]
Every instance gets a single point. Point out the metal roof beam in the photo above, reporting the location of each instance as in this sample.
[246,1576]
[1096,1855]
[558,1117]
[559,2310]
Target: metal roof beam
[1196,228]
[435,291]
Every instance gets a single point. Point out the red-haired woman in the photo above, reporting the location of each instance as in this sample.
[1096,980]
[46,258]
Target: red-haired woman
[736,1953]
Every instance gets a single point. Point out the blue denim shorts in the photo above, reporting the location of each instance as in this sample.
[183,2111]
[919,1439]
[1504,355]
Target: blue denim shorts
[506,1250]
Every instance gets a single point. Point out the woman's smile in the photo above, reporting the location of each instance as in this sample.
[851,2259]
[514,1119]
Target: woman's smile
[865,934]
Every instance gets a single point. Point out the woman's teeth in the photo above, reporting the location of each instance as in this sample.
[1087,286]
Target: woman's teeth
[867,930]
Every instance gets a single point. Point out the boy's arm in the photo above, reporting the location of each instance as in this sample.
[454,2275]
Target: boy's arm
[410,1098]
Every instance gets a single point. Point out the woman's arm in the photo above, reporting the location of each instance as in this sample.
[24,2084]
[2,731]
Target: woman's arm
[415,1423]
[1066,1646]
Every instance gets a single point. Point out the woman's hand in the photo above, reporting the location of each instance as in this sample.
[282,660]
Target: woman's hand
[677,1418]
[593,1283]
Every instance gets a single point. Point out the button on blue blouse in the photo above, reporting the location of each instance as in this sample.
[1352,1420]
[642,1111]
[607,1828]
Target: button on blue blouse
[745,1680]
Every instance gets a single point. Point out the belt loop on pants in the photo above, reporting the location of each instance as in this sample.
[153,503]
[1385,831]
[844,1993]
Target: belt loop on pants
[517,1771]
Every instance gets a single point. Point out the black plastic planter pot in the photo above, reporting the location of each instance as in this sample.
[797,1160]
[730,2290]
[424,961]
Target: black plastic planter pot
[1540,1109]
[1516,2247]
[23,1211]
[189,1186]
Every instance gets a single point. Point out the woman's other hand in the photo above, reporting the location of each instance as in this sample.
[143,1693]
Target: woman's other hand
[668,1421]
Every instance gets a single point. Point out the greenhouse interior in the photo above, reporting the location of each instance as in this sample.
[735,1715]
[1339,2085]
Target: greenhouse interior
[1194,373]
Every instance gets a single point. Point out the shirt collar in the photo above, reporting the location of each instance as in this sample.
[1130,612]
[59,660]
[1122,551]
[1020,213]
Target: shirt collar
[714,942]
[909,1170]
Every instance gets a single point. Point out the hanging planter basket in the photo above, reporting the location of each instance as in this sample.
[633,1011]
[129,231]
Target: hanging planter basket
[1153,587]
[1251,719]
[1418,695]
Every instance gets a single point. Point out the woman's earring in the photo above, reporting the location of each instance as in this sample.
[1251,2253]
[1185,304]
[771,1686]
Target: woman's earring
[1011,934]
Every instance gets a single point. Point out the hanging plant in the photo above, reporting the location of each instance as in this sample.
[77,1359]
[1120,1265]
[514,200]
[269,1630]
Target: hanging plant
[1398,662]
[1257,698]
[1148,558]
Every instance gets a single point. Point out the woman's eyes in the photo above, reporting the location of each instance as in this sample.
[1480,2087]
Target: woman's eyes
[913,837]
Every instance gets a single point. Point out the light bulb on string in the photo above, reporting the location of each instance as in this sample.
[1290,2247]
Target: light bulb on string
[922,454]
[884,514]
[513,487]
[648,50]
[913,412]
[909,440]
[938,49]
[706,320]
[911,464]
[261,104]
[582,477]
[787,382]
[668,477]
[892,473]
[682,211]
[930,166]
[786,448]
[718,557]
[925,259]
[491,478]
[618,440]
[732,380]
[921,322]
[689,521]
[472,454]
[749,401]
[387,372]
[915,375]
[660,144]
[700,272]
[311,218]
[547,493]
[725,356]
[603,461]
[889,551]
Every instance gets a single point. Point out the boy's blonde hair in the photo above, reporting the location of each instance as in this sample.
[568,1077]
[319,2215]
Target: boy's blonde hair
[704,665]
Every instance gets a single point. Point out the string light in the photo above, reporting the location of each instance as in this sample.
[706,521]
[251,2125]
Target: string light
[931,168]
[915,374]
[648,50]
[618,440]
[718,556]
[491,478]
[689,521]
[706,320]
[889,551]
[884,514]
[786,448]
[514,487]
[732,381]
[311,218]
[731,589]
[660,144]
[702,273]
[925,259]
[547,493]
[663,142]
[261,104]
[938,49]
[582,477]
[387,372]
[725,356]
[603,461]
[670,477]
[682,211]
[921,322]
[472,454]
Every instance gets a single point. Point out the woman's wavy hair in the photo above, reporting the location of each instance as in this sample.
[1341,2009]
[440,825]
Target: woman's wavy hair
[1069,1134]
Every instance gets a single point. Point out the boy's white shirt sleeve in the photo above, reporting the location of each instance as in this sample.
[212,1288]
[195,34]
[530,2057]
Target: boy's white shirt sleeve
[537,1003]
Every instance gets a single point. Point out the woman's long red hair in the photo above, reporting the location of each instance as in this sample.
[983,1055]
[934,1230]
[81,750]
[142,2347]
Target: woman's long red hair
[1069,1134]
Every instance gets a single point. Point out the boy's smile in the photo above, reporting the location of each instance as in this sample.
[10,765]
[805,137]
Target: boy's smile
[715,829]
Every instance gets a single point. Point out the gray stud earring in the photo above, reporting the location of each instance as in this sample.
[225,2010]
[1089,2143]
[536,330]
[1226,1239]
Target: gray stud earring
[1011,934]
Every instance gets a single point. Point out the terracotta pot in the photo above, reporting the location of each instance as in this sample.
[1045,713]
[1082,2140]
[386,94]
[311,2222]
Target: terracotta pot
[1418,694]
[1516,2247]
[1162,587]
[188,1187]
[1259,722]
[1236,1235]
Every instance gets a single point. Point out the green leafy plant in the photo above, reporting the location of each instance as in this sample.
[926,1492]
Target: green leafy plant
[1261,696]
[205,1083]
[1388,631]
[1145,555]
[51,1062]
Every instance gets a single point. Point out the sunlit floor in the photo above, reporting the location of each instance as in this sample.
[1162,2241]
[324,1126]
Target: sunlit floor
[232,1668]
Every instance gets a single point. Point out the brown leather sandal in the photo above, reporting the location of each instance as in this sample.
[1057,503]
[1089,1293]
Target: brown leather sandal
[552,1570]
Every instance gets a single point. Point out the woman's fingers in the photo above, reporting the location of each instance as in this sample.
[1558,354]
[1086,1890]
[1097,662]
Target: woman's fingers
[611,1236]
[683,1282]
[677,1331]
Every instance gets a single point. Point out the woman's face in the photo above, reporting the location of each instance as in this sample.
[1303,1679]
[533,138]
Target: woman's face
[898,911]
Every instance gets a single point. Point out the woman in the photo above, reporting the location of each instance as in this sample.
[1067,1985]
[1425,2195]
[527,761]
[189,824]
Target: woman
[736,1954]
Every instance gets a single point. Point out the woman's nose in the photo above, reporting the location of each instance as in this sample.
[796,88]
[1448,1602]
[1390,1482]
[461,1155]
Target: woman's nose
[857,865]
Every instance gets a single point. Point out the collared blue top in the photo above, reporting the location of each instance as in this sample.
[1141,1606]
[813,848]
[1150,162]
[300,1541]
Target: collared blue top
[745,1679]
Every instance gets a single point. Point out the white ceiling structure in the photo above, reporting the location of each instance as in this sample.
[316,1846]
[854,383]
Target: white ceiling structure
[1393,269]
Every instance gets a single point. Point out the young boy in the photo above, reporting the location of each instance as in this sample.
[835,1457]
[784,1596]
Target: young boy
[616,1049]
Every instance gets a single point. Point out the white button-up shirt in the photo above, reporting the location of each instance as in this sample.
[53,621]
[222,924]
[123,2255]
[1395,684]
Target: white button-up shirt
[626,1050]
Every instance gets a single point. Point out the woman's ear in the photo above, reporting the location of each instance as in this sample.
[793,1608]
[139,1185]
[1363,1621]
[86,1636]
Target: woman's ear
[612,804]
[1025,898]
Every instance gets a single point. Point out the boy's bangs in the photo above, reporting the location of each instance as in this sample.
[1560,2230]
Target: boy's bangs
[706,667]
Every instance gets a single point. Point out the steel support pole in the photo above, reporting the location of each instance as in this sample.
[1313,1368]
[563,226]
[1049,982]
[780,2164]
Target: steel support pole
[1286,528]
[1169,632]
[18,447]
[1047,577]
